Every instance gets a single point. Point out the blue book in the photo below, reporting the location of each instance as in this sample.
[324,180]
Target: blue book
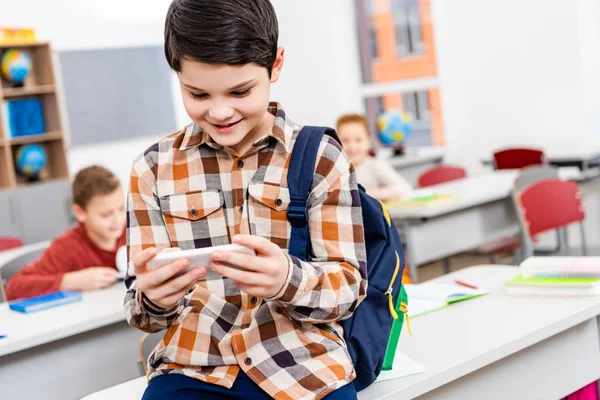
[45,301]
[25,117]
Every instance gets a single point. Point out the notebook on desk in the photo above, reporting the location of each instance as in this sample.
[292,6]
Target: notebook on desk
[561,267]
[422,200]
[549,286]
[44,302]
[428,297]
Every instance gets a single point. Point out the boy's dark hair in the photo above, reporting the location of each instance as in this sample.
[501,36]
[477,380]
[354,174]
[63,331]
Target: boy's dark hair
[232,32]
[93,181]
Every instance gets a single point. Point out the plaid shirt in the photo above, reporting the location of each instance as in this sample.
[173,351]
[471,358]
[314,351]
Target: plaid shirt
[187,191]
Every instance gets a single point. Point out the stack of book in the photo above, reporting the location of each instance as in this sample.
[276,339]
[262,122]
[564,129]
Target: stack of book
[558,276]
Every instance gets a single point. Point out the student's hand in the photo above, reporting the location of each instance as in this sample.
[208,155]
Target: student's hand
[161,286]
[92,278]
[262,275]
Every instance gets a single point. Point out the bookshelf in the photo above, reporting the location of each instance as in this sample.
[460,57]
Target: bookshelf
[41,84]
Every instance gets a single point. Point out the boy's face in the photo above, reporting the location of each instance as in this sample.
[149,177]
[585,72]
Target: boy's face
[229,102]
[104,215]
[356,141]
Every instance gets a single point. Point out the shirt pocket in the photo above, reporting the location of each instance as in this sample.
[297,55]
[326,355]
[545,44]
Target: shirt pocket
[268,204]
[195,219]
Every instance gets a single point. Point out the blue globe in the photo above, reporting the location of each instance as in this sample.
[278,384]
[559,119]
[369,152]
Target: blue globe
[15,66]
[30,160]
[394,127]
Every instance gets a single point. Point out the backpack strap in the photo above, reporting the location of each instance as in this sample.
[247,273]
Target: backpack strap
[300,177]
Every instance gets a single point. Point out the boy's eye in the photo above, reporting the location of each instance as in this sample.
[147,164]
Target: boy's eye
[241,92]
[199,95]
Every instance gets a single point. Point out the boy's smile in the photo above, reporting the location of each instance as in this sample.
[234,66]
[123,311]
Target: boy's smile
[229,102]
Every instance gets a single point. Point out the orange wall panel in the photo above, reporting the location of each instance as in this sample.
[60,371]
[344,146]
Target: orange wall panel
[437,127]
[388,67]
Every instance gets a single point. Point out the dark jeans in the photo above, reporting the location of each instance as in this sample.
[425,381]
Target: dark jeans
[181,387]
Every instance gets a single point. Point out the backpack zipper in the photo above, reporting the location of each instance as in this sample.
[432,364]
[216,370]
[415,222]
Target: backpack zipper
[388,292]
[403,305]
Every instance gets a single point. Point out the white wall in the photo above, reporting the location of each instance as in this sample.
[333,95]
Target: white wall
[510,74]
[321,75]
[83,24]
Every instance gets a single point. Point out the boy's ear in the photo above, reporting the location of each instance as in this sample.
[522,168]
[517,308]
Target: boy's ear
[277,65]
[79,212]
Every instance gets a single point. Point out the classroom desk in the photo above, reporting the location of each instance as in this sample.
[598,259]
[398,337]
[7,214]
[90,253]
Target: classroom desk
[414,162]
[69,351]
[586,159]
[496,347]
[483,213]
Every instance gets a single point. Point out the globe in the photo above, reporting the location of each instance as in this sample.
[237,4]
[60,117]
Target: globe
[30,159]
[15,66]
[394,127]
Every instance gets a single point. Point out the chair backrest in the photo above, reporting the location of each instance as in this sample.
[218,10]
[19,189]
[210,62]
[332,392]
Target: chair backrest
[9,242]
[549,205]
[517,158]
[147,343]
[534,174]
[440,174]
[17,263]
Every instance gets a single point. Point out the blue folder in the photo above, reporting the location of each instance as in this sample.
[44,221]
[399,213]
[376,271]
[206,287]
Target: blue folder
[44,302]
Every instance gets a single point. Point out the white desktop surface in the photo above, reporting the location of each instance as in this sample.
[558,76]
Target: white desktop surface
[476,347]
[470,191]
[465,337]
[97,309]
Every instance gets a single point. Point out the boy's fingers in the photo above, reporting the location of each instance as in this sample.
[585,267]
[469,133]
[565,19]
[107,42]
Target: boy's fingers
[175,297]
[237,275]
[141,258]
[162,274]
[181,282]
[170,249]
[242,260]
[258,243]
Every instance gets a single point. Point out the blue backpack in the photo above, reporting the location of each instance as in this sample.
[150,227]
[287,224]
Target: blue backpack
[372,332]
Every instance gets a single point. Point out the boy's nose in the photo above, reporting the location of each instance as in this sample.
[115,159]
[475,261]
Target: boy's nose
[220,114]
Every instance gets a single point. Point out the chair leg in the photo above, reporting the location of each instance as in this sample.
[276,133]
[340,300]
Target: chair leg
[583,241]
[517,257]
[494,259]
[447,268]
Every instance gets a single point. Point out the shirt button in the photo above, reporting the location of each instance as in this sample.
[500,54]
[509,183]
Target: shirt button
[240,164]
[248,361]
[278,202]
[193,212]
[253,300]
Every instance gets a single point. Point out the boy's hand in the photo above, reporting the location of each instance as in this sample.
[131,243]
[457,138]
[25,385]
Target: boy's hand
[92,278]
[262,275]
[161,286]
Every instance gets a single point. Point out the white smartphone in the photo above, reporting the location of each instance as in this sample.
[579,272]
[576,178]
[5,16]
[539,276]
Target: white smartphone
[197,258]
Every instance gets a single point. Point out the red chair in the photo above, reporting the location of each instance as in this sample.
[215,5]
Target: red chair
[440,174]
[517,158]
[551,205]
[7,242]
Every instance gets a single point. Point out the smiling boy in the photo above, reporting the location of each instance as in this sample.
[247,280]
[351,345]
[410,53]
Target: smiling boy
[270,329]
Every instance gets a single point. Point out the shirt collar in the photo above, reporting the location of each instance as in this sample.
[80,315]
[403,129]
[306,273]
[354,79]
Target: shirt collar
[282,131]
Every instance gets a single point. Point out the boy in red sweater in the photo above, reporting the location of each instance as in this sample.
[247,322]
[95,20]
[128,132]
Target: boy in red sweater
[83,258]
